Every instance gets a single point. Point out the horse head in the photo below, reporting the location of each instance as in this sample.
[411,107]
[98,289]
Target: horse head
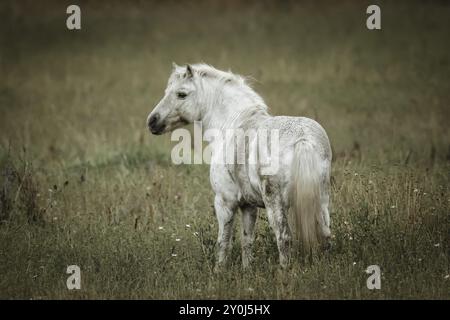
[179,106]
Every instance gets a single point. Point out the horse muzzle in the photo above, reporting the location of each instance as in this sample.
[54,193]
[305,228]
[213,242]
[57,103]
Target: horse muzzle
[155,125]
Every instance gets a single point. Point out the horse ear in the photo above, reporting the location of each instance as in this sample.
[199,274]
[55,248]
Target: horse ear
[174,66]
[189,71]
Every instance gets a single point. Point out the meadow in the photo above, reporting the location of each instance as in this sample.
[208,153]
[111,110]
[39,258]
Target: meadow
[83,182]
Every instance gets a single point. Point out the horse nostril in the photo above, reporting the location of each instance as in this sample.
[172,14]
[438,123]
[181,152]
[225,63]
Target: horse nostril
[153,120]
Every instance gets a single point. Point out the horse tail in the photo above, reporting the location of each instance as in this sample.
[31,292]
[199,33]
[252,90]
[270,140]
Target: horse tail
[305,204]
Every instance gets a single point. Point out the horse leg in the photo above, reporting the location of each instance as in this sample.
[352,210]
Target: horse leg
[249,215]
[277,215]
[225,213]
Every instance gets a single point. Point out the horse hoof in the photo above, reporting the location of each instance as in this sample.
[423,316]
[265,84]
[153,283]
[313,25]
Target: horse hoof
[327,245]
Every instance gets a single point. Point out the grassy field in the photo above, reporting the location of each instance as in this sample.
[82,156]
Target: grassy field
[84,183]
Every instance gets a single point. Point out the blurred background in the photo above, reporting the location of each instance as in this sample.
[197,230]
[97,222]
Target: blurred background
[75,92]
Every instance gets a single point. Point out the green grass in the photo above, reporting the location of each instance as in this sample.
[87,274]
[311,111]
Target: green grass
[83,182]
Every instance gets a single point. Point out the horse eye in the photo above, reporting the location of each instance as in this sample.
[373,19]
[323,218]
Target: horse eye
[181,95]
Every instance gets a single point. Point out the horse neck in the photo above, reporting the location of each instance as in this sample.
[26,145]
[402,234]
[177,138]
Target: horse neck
[233,107]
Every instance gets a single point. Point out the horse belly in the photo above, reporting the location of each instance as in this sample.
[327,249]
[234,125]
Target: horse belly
[249,186]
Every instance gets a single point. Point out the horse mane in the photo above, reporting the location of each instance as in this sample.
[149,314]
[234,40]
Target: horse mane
[227,77]
[206,71]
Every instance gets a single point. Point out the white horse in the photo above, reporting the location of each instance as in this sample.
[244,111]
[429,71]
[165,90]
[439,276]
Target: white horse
[301,185]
